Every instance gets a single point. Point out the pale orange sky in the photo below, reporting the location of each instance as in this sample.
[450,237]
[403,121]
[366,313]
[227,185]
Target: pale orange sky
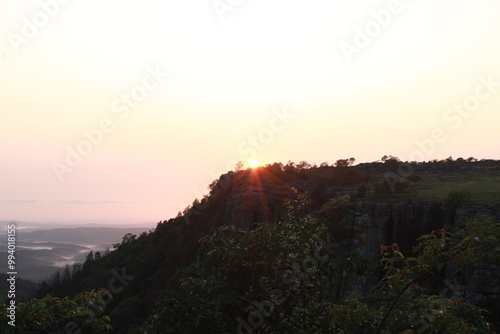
[287,80]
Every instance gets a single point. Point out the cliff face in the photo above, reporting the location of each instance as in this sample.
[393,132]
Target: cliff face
[375,224]
[368,226]
[480,284]
[371,225]
[253,198]
[256,198]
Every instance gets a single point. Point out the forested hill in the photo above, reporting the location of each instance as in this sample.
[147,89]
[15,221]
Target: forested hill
[387,201]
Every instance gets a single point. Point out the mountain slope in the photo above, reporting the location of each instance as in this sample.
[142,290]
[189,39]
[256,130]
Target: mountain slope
[143,267]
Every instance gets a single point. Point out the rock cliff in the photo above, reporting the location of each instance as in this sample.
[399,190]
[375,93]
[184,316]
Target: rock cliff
[369,225]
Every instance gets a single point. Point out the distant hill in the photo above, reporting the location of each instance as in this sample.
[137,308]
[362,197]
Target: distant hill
[40,252]
[25,289]
[391,202]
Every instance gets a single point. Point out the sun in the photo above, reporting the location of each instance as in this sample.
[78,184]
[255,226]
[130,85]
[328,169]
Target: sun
[253,163]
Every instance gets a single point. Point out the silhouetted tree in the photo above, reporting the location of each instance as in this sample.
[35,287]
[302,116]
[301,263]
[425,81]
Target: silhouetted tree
[389,157]
[75,269]
[392,164]
[303,165]
[238,167]
[343,163]
[66,275]
[290,167]
[90,257]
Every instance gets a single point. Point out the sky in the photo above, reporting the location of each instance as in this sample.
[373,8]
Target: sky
[124,111]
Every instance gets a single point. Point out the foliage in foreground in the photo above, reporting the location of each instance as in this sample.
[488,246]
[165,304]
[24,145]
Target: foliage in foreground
[293,277]
[82,314]
[285,278]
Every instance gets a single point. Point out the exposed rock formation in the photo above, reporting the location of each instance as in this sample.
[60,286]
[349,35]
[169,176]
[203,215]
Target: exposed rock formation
[367,227]
[252,199]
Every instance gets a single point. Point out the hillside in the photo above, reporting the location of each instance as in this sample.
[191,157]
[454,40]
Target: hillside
[40,252]
[384,209]
[24,288]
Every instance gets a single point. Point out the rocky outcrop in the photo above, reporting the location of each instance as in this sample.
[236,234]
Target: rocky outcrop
[480,283]
[375,224]
[369,225]
[255,198]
